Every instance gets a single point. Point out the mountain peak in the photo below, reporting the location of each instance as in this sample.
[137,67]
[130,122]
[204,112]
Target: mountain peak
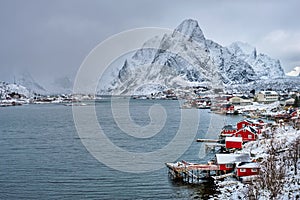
[190,29]
[186,58]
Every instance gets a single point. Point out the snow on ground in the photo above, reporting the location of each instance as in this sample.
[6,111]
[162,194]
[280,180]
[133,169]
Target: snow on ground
[258,106]
[283,138]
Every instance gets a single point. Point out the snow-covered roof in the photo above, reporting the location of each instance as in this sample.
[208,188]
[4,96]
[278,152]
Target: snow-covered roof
[249,165]
[249,128]
[234,139]
[254,121]
[232,158]
[269,92]
[229,127]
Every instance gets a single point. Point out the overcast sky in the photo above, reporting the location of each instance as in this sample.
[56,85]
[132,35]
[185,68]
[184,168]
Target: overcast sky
[50,38]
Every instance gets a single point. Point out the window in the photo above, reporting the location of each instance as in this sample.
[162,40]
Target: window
[249,136]
[239,135]
[229,166]
[242,170]
[253,170]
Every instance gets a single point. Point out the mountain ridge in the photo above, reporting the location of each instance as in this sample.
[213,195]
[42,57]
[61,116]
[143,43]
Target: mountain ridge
[185,57]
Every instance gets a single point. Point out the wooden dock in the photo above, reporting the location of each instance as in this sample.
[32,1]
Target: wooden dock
[207,140]
[191,172]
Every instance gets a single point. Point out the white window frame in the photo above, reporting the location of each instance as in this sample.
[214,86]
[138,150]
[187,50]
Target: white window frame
[254,170]
[242,170]
[229,165]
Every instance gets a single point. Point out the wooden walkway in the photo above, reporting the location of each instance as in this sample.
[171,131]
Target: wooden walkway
[191,172]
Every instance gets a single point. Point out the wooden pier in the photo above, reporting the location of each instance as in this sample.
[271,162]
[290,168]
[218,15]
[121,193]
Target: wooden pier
[192,172]
[207,140]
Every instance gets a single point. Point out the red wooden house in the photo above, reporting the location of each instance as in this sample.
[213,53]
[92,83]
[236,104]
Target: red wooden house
[247,169]
[247,133]
[254,123]
[227,162]
[228,130]
[227,108]
[233,142]
[295,114]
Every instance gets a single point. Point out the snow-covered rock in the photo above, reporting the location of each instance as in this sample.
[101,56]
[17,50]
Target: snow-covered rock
[6,89]
[186,56]
[264,66]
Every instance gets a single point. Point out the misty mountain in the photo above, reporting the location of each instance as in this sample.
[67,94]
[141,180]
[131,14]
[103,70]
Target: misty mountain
[25,79]
[264,66]
[60,85]
[186,58]
[56,86]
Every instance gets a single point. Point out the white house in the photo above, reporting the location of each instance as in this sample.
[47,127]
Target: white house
[240,101]
[267,96]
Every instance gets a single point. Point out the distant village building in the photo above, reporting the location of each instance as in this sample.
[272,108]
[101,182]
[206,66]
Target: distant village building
[227,108]
[240,101]
[267,96]
[289,102]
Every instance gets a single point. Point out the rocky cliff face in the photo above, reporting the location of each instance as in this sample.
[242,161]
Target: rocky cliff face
[264,66]
[186,58]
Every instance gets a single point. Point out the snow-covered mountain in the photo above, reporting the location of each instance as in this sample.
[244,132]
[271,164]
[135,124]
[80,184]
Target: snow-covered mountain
[25,79]
[285,83]
[264,66]
[61,85]
[6,88]
[184,58]
[52,86]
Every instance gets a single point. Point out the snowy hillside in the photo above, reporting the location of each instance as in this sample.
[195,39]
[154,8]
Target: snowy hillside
[52,86]
[186,58]
[284,142]
[279,84]
[24,78]
[6,88]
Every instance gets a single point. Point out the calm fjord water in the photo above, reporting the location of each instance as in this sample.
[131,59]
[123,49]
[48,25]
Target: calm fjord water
[42,156]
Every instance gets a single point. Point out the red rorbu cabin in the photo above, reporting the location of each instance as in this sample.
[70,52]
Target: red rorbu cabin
[247,169]
[233,142]
[228,130]
[254,123]
[247,133]
[227,108]
[226,162]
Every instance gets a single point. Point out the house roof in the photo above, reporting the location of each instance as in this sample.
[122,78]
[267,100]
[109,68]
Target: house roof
[269,92]
[249,128]
[232,158]
[229,127]
[253,121]
[250,165]
[234,139]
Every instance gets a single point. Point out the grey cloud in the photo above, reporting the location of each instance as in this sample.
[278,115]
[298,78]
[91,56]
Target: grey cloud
[51,38]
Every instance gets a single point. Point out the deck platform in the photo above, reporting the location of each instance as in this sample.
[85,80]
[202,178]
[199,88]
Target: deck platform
[192,172]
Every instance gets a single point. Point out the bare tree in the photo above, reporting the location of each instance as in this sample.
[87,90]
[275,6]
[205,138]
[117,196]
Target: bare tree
[273,171]
[294,152]
[253,189]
